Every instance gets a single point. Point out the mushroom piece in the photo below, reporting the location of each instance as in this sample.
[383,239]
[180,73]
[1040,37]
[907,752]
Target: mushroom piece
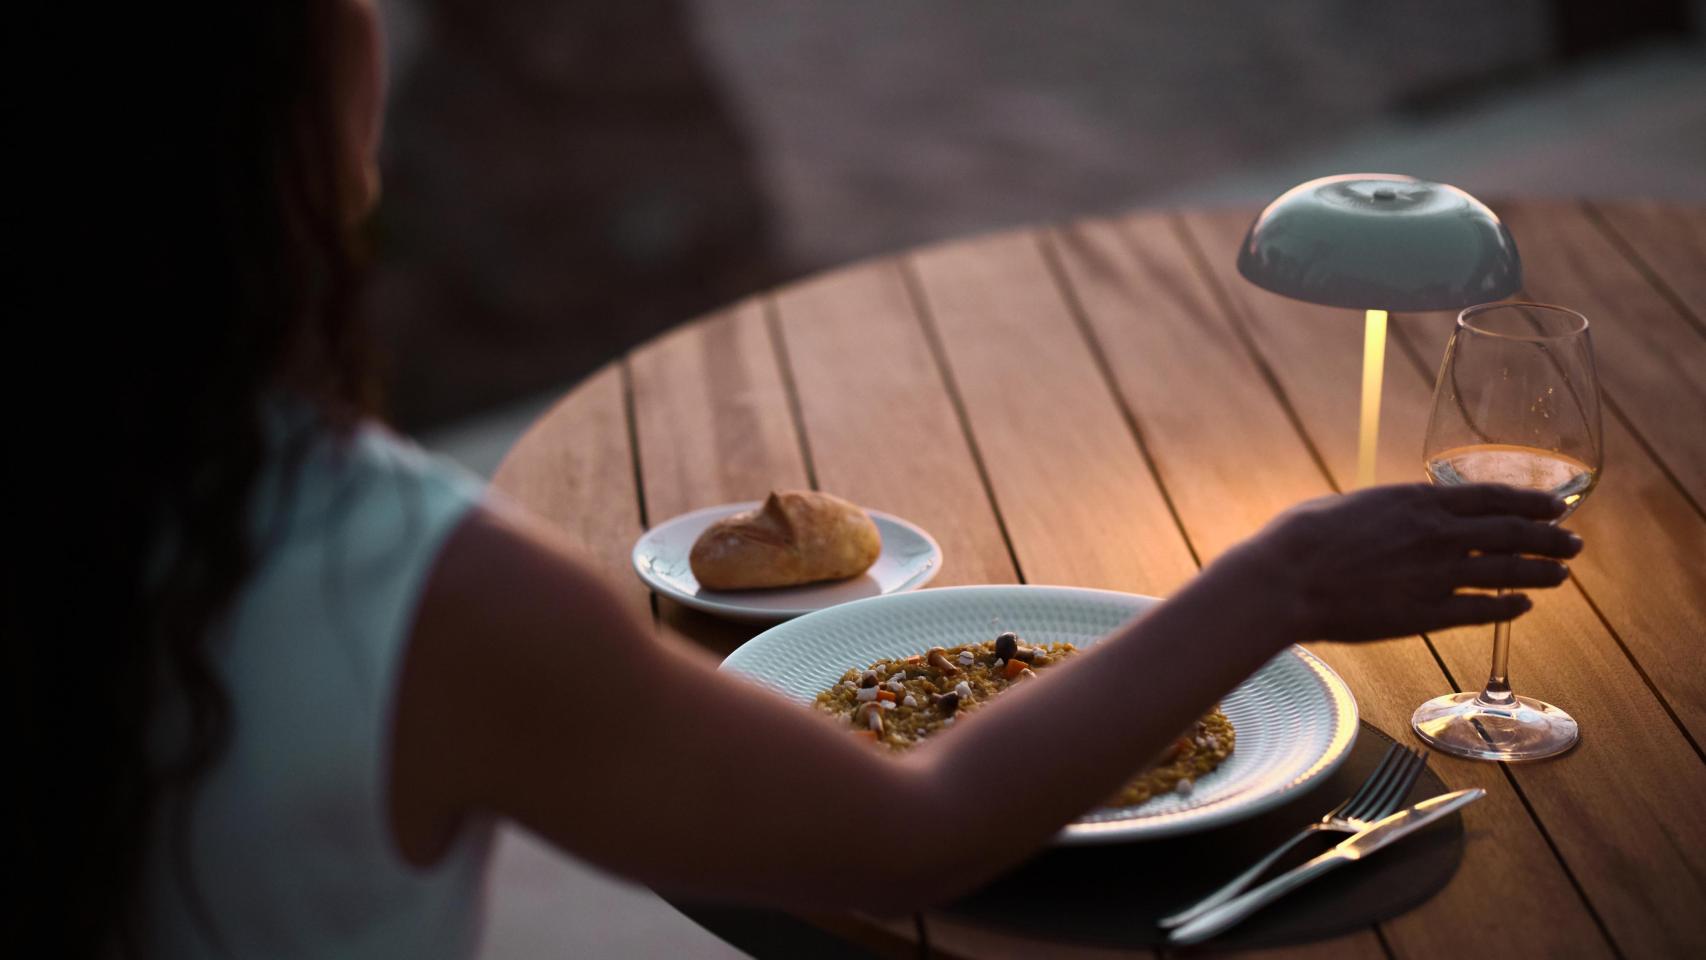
[938,658]
[1007,645]
[868,679]
[1024,655]
[873,717]
[949,702]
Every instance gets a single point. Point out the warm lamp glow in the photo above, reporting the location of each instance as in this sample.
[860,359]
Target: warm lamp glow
[1373,368]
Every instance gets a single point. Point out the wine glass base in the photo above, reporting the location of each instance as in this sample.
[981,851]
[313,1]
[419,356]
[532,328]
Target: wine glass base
[1463,725]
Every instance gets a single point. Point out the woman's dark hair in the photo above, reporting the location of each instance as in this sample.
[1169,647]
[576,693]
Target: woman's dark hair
[216,272]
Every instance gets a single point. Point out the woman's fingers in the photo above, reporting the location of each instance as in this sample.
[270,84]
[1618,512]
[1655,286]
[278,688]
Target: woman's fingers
[1507,571]
[1513,535]
[1481,499]
[1470,609]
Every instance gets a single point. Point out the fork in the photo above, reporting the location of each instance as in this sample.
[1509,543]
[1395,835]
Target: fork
[1378,796]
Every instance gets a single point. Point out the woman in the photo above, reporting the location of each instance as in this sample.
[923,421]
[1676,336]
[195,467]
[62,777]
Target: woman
[321,665]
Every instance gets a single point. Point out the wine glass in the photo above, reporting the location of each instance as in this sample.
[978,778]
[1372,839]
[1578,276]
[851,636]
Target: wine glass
[1516,403]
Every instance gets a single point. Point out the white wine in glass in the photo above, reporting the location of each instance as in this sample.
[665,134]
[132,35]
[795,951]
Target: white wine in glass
[1516,403]
[1559,474]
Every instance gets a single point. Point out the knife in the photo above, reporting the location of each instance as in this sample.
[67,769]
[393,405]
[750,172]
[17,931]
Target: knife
[1376,836]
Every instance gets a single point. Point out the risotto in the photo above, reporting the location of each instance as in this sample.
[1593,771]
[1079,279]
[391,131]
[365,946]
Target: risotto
[901,702]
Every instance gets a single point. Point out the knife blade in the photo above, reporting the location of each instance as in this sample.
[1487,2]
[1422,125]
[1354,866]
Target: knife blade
[1374,837]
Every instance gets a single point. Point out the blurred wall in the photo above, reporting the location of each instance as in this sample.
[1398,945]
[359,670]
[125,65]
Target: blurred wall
[564,179]
[561,179]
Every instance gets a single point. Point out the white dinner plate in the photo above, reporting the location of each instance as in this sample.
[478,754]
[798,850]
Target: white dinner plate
[910,558]
[1295,719]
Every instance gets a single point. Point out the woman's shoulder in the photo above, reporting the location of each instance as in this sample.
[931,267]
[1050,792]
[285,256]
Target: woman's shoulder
[347,526]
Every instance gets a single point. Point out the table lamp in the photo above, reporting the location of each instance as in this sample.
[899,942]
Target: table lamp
[1377,242]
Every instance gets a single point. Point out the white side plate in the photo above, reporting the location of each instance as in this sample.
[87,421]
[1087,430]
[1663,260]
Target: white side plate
[910,559]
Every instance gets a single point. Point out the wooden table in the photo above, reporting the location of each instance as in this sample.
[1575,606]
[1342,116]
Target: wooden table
[1109,405]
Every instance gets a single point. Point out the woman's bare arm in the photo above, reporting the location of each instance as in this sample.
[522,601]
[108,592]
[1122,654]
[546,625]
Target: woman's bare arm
[529,691]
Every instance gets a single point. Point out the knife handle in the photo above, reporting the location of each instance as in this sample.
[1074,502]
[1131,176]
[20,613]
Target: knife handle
[1219,918]
[1236,885]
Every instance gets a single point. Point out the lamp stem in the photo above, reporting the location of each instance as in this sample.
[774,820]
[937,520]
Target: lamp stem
[1373,366]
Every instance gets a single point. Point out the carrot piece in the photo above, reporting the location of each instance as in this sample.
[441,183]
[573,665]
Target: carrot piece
[888,695]
[870,735]
[1013,667]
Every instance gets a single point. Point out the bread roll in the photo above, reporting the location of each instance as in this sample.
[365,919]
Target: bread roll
[797,536]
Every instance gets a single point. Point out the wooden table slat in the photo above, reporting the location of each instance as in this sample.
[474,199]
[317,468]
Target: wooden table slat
[884,432]
[575,469]
[1072,485]
[1588,801]
[1165,334]
[712,415]
[1651,358]
[1666,240]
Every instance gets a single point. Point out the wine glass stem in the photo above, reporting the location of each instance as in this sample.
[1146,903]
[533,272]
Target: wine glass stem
[1498,689]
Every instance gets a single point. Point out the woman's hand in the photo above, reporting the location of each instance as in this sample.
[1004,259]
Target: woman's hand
[1389,561]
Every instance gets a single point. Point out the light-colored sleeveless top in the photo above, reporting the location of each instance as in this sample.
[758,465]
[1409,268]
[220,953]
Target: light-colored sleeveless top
[290,846]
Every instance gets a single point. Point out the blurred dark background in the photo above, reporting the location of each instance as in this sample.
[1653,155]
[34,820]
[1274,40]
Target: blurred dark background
[564,180]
